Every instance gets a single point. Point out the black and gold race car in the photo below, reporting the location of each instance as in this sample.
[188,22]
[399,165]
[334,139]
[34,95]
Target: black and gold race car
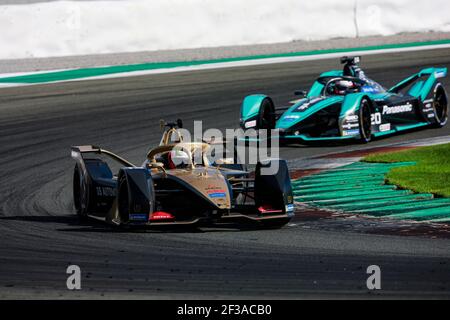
[170,188]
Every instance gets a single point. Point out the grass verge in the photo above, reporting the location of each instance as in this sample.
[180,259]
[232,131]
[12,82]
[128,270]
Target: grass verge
[431,173]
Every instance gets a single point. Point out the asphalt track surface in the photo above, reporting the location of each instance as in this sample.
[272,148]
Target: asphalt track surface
[40,235]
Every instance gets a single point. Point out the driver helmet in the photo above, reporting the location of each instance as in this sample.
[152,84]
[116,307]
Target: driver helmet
[343,86]
[178,159]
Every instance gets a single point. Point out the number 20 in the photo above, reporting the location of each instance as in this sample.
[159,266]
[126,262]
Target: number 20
[376,118]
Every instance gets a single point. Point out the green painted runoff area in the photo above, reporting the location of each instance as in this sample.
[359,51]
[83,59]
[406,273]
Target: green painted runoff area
[431,174]
[361,188]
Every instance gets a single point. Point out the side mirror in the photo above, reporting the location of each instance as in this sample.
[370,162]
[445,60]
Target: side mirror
[300,93]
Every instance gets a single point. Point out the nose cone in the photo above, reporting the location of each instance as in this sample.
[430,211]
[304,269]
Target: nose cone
[286,122]
[210,183]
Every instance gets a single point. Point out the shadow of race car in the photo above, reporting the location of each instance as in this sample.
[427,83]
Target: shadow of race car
[346,104]
[171,188]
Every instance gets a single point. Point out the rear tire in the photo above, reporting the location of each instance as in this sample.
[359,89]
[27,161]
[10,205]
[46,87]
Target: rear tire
[440,105]
[365,121]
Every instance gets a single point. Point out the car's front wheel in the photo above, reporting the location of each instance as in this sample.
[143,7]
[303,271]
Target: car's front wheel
[365,121]
[123,200]
[266,116]
[80,193]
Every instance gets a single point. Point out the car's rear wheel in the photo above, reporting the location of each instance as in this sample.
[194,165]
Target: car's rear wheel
[266,116]
[80,193]
[365,121]
[440,105]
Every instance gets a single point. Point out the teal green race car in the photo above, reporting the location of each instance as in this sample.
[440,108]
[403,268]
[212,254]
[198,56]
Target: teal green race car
[348,105]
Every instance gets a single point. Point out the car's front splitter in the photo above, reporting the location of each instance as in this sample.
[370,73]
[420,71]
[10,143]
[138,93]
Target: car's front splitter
[298,138]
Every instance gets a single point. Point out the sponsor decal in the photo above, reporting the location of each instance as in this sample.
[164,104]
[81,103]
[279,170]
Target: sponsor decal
[368,89]
[397,109]
[350,132]
[308,104]
[428,107]
[352,118]
[290,208]
[215,192]
[212,188]
[290,118]
[439,74]
[350,125]
[217,195]
[250,124]
[105,192]
[384,127]
[138,216]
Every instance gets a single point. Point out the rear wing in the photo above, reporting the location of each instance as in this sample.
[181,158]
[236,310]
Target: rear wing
[78,151]
[425,80]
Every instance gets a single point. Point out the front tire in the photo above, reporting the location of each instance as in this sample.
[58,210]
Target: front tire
[266,116]
[365,121]
[440,105]
[123,202]
[81,193]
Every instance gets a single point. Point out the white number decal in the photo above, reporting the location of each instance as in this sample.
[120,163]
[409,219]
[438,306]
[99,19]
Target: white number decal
[376,118]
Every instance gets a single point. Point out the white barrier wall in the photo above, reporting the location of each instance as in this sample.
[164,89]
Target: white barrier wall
[90,27]
[387,17]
